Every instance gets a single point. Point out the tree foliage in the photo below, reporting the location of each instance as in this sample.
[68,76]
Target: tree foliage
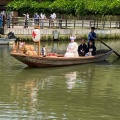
[74,7]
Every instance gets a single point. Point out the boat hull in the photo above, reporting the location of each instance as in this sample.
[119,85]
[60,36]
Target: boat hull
[52,61]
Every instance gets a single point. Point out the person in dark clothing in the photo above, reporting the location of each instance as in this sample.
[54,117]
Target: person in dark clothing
[92,48]
[82,48]
[26,20]
[1,20]
[92,36]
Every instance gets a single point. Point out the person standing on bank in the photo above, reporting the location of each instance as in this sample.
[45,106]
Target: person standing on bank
[36,19]
[26,20]
[1,20]
[42,17]
[82,48]
[92,36]
[52,19]
[9,18]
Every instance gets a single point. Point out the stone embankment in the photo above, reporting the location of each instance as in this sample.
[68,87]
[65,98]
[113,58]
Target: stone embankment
[20,31]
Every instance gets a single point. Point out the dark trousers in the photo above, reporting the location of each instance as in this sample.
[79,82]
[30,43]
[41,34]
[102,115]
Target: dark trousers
[26,24]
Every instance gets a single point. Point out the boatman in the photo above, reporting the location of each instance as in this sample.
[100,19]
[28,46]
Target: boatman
[92,36]
[72,49]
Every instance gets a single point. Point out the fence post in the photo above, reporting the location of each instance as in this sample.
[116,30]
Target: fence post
[82,23]
[12,21]
[90,24]
[3,21]
[116,24]
[94,23]
[60,23]
[38,21]
[66,24]
[110,24]
[97,23]
[74,23]
[119,24]
[49,23]
[103,24]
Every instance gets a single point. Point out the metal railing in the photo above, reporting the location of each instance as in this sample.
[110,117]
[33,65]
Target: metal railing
[59,23]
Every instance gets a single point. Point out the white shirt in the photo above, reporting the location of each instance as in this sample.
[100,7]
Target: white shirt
[42,16]
[27,15]
[53,16]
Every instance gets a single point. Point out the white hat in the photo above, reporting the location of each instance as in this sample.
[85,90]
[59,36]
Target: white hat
[73,37]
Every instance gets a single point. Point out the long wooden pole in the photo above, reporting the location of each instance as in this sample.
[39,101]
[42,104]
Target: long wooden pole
[39,48]
[110,48]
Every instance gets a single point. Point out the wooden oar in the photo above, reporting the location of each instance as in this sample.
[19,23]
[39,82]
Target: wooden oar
[110,48]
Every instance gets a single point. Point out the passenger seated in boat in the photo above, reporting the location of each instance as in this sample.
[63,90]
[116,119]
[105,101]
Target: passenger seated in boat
[82,49]
[91,49]
[72,49]
[21,44]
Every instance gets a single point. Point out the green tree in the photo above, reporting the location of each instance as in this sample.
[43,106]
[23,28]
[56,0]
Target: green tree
[74,7]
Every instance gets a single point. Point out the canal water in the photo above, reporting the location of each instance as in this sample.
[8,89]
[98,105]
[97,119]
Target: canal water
[80,92]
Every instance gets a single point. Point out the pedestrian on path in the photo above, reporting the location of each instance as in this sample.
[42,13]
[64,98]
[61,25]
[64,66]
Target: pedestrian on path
[1,20]
[26,20]
[42,17]
[52,19]
[9,18]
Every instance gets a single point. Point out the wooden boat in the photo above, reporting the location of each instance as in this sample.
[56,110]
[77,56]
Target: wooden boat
[59,60]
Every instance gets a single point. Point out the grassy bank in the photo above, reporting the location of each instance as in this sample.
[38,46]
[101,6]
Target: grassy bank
[66,37]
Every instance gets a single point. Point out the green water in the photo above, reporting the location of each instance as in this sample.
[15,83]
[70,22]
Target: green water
[81,92]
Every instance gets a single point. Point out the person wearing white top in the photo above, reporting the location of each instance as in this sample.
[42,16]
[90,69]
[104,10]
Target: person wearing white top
[52,17]
[3,13]
[42,17]
[72,49]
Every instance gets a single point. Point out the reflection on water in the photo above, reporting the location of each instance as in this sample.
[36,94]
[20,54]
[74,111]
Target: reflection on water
[71,77]
[81,92]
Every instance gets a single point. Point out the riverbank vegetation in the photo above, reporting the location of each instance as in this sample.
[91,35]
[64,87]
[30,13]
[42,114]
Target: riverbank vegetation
[67,37]
[75,8]
[101,10]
